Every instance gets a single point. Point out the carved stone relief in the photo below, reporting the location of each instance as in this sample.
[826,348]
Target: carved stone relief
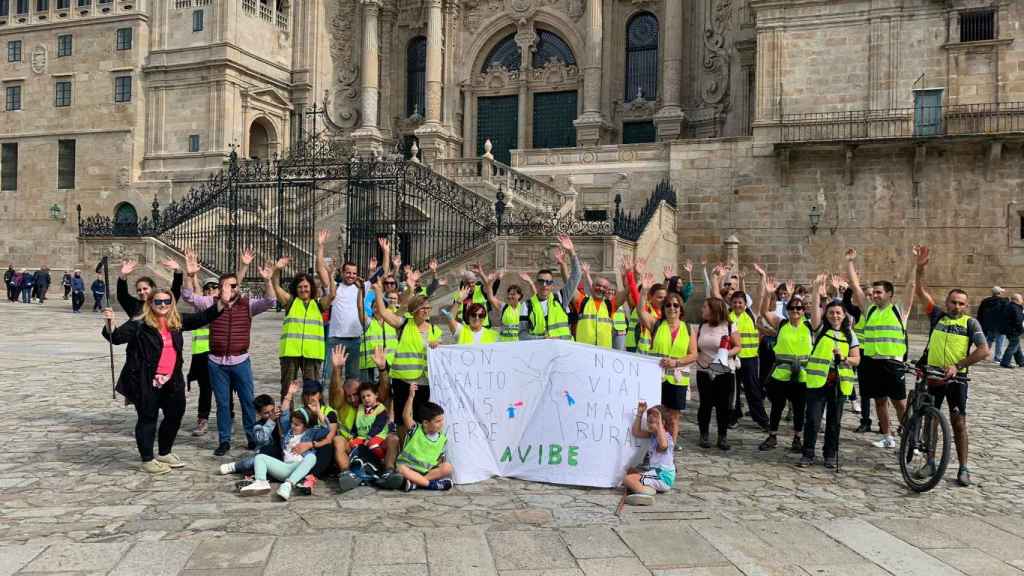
[716,61]
[344,42]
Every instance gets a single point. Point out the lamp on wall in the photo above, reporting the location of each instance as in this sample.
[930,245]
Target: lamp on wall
[57,214]
[815,218]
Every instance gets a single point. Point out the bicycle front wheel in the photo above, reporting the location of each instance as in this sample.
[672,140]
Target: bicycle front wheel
[924,449]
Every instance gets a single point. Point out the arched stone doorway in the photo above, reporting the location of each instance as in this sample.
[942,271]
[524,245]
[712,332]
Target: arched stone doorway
[524,92]
[262,139]
[126,219]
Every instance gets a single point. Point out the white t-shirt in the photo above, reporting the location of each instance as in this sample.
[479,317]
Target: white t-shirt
[345,312]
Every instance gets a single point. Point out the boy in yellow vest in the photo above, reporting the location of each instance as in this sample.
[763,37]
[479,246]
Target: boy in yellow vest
[421,462]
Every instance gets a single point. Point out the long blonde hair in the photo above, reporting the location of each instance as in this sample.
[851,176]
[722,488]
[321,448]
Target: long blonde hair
[150,317]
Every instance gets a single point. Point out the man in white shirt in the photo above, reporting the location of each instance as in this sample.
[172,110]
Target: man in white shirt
[347,319]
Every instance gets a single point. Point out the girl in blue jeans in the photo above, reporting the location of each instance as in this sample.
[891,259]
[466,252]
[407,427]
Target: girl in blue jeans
[301,426]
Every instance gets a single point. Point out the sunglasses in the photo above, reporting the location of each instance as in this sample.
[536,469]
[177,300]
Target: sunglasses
[480,316]
[389,282]
[545,282]
[672,305]
[162,301]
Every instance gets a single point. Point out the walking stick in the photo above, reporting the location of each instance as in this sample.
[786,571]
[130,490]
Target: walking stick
[104,264]
[836,360]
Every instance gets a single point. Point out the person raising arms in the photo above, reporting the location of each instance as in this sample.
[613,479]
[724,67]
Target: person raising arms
[718,343]
[513,313]
[884,347]
[595,311]
[548,317]
[952,334]
[475,332]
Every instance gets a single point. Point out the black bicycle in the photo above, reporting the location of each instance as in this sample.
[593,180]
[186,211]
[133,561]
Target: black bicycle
[926,437]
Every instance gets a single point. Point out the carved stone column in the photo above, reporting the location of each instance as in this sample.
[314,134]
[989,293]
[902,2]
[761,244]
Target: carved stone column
[431,134]
[368,139]
[591,126]
[669,119]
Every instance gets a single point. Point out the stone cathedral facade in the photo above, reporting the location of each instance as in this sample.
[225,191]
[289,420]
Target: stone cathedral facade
[790,129]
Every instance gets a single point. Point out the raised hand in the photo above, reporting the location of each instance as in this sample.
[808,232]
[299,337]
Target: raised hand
[412,389]
[108,314]
[851,254]
[559,255]
[433,266]
[322,237]
[247,256]
[759,269]
[769,283]
[380,357]
[385,244]
[585,267]
[688,266]
[464,293]
[294,387]
[127,266]
[566,243]
[267,270]
[191,262]
[669,271]
[396,262]
[627,264]
[525,277]
[282,262]
[648,279]
[921,254]
[491,277]
[338,356]
[413,277]
[170,264]
[640,266]
[704,261]
[478,270]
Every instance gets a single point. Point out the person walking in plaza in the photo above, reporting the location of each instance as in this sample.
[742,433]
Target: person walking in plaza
[78,292]
[10,283]
[672,343]
[548,316]
[1014,327]
[953,333]
[883,349]
[42,283]
[302,347]
[65,281]
[28,280]
[199,368]
[229,363]
[992,316]
[793,345]
[829,376]
[99,290]
[151,378]
[718,344]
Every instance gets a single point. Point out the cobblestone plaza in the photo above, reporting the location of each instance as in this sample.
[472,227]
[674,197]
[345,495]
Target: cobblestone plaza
[72,499]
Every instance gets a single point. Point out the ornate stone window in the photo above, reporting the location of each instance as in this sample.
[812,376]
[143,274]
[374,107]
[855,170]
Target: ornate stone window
[551,47]
[641,57]
[416,76]
[505,54]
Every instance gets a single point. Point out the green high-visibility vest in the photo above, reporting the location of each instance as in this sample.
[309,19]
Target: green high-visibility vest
[411,355]
[201,340]
[302,335]
[378,333]
[619,323]
[665,346]
[633,328]
[421,453]
[884,335]
[820,362]
[487,336]
[555,324]
[792,347]
[364,421]
[509,324]
[748,334]
[595,324]
[949,343]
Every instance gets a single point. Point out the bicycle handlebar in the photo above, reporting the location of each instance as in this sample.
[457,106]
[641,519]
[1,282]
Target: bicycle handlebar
[933,373]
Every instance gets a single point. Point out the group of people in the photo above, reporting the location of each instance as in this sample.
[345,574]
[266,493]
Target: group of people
[366,338]
[26,285]
[1002,319]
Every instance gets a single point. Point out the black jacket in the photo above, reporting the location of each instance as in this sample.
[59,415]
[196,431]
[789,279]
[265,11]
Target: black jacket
[132,306]
[143,353]
[992,313]
[1014,320]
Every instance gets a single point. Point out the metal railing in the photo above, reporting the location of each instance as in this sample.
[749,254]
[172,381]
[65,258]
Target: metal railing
[919,122]
[515,184]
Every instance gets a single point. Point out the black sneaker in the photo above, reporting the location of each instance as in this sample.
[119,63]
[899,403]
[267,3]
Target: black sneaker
[391,481]
[348,481]
[797,446]
[222,449]
[830,462]
[805,461]
[723,444]
[704,442]
[963,477]
[243,483]
[769,443]
[408,486]
[864,428]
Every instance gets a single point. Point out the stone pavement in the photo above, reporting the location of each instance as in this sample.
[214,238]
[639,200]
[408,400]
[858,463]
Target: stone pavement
[73,501]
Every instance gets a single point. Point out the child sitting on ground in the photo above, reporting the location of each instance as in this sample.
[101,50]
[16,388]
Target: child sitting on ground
[368,433]
[266,435]
[660,473]
[421,462]
[299,426]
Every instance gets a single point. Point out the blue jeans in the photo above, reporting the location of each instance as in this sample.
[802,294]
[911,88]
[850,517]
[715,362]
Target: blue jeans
[1013,352]
[351,365]
[994,337]
[223,379]
[26,294]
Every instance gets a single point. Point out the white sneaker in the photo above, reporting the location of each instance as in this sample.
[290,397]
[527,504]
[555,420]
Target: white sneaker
[257,488]
[856,407]
[640,499]
[284,491]
[171,460]
[885,442]
[228,468]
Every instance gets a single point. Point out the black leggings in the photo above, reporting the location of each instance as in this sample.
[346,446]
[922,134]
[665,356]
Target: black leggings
[717,394]
[780,392]
[171,399]
[325,464]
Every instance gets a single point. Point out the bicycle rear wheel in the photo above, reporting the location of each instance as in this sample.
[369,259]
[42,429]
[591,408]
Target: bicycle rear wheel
[924,449]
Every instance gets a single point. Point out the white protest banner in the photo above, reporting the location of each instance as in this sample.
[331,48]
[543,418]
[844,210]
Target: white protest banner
[543,410]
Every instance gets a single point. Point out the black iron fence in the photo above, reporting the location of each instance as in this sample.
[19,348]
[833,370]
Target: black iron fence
[918,122]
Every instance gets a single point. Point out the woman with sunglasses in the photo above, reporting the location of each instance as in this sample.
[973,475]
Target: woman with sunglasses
[474,332]
[672,343]
[514,314]
[151,378]
[415,335]
[793,343]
